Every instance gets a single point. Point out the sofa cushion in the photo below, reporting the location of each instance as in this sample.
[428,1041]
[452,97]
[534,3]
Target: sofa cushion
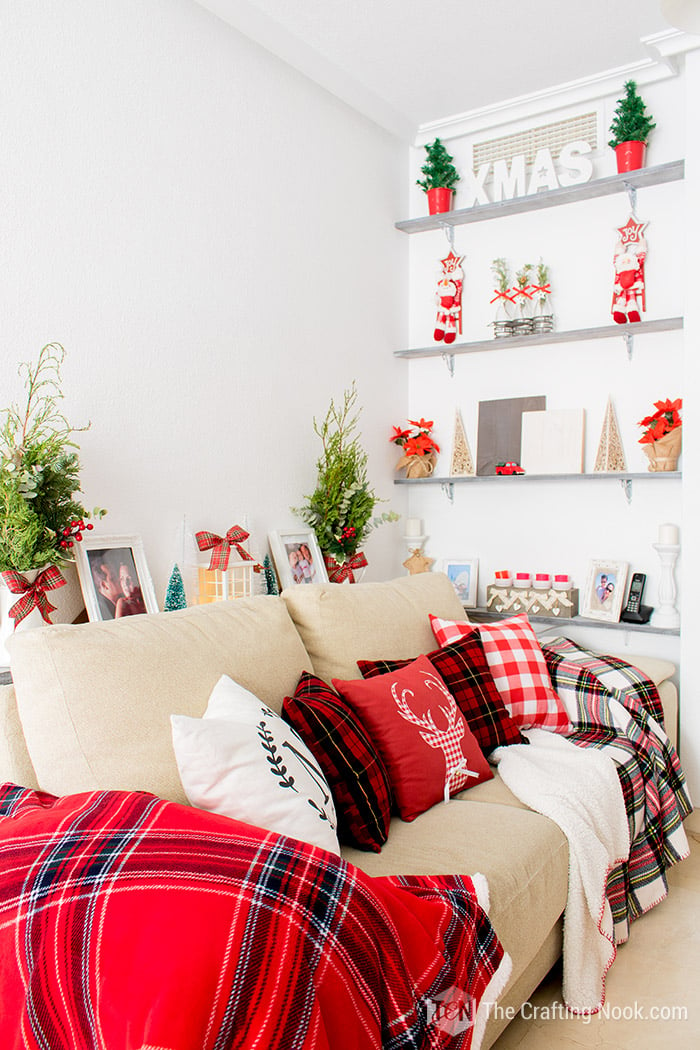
[465,671]
[355,774]
[15,763]
[340,623]
[524,856]
[95,699]
[243,761]
[421,735]
[518,666]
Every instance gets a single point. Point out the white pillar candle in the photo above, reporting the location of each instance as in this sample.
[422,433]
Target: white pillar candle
[414,527]
[668,534]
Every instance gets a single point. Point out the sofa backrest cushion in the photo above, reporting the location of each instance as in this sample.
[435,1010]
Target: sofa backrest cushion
[95,699]
[15,763]
[341,623]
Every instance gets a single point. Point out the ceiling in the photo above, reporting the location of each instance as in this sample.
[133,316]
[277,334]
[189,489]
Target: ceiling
[412,62]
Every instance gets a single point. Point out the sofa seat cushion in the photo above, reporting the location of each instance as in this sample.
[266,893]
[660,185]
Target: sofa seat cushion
[341,624]
[95,699]
[524,856]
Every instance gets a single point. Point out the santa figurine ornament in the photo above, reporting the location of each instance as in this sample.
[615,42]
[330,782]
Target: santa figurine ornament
[629,294]
[449,299]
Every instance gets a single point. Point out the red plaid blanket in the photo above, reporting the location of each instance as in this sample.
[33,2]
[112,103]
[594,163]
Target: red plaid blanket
[129,923]
[615,708]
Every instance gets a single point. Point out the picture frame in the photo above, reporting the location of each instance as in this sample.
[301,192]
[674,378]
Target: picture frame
[605,590]
[307,567]
[114,576]
[463,574]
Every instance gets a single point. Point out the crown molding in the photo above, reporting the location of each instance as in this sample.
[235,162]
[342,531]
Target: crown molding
[273,37]
[664,50]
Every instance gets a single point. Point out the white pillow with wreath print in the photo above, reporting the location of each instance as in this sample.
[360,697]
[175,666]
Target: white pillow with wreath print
[242,760]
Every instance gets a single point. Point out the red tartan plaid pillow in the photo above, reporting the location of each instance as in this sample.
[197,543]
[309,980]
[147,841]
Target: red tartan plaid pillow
[465,671]
[355,774]
[421,735]
[518,667]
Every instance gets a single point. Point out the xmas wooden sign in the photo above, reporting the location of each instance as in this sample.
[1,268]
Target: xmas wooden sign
[514,178]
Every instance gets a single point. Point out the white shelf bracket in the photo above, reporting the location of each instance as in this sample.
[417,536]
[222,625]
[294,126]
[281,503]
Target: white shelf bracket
[449,231]
[629,343]
[449,490]
[627,488]
[449,360]
[631,196]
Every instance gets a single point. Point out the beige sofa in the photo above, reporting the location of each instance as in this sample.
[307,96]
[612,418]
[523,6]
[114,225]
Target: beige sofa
[90,707]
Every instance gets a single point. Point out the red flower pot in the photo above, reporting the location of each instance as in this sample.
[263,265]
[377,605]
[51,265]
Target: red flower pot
[630,155]
[439,200]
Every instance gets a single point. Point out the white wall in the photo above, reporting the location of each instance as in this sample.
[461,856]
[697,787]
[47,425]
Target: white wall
[210,237]
[560,526]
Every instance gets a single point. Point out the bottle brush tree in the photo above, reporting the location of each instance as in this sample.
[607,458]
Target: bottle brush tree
[438,168]
[631,123]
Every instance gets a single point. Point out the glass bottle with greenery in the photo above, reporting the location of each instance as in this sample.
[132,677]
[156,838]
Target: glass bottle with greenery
[341,509]
[40,517]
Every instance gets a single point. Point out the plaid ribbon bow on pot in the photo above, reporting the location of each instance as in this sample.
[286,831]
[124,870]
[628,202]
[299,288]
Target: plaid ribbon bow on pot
[340,571]
[33,594]
[220,547]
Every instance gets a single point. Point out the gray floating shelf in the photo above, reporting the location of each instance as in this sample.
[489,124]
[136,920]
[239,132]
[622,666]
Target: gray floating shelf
[520,479]
[486,615]
[630,180]
[608,331]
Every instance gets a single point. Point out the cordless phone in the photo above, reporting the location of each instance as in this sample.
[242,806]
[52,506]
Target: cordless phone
[634,611]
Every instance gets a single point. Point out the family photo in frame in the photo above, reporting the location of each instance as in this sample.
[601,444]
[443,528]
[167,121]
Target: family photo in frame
[114,577]
[605,590]
[297,557]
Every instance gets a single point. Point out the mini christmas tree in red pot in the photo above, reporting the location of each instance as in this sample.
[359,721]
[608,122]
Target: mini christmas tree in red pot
[440,178]
[630,129]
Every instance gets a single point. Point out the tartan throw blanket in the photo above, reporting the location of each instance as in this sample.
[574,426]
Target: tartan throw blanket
[130,923]
[613,707]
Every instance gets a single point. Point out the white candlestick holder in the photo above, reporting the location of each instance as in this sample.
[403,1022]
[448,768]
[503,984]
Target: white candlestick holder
[666,615]
[415,544]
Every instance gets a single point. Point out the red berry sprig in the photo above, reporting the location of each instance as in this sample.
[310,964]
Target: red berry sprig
[347,537]
[73,533]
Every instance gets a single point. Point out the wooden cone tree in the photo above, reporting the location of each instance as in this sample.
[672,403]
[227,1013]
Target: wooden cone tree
[611,455]
[462,463]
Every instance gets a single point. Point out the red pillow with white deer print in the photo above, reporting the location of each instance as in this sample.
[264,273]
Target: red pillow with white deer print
[420,734]
[518,666]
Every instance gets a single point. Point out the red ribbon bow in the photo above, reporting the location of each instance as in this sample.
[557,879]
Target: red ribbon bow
[340,571]
[544,288]
[220,547]
[33,594]
[501,295]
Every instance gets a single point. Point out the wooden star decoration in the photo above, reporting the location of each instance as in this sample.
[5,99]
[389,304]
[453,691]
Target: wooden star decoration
[417,562]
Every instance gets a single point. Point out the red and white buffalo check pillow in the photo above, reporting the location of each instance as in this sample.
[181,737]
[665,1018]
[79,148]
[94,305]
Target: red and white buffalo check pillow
[518,667]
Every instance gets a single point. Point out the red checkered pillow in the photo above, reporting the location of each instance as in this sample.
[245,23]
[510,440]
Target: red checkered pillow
[465,671]
[421,735]
[355,774]
[518,667]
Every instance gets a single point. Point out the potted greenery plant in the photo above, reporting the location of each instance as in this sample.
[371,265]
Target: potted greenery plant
[341,508]
[40,517]
[630,128]
[440,178]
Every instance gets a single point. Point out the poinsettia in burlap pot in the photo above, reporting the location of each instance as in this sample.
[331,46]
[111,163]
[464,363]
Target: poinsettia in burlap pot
[662,437]
[419,449]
